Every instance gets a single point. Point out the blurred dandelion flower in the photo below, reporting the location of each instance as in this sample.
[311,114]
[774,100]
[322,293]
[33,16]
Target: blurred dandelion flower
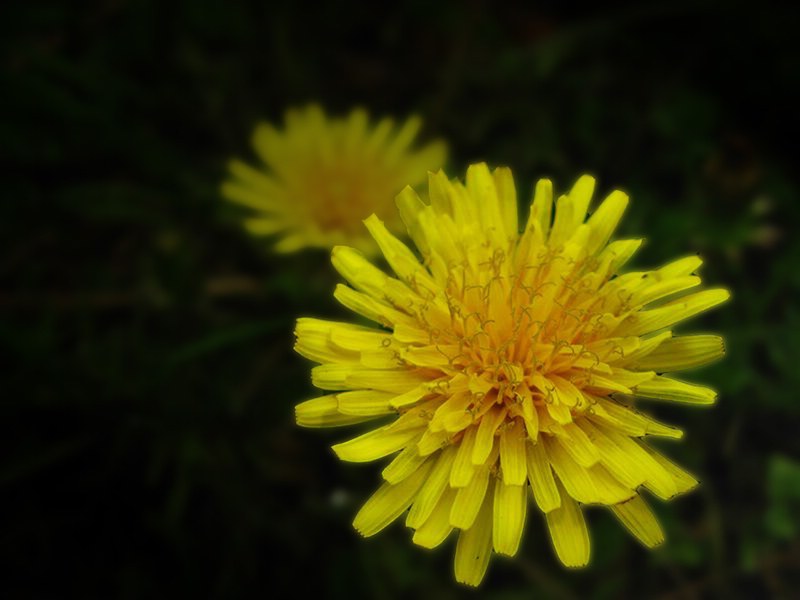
[508,361]
[324,176]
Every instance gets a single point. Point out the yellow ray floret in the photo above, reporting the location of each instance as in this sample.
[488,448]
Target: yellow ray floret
[321,176]
[509,364]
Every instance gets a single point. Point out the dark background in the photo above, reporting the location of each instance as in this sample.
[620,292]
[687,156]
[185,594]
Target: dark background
[148,444]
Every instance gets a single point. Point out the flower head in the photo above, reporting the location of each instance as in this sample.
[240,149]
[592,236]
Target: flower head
[508,362]
[324,176]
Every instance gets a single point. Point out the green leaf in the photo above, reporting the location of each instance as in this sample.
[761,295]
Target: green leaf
[781,519]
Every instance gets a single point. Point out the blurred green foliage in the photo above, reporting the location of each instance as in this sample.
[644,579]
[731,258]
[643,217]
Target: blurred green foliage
[148,443]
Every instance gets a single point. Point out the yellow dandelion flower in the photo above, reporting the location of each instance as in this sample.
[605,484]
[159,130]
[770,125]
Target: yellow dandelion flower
[505,362]
[324,176]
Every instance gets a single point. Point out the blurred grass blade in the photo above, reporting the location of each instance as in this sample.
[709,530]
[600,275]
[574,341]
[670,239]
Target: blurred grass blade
[221,339]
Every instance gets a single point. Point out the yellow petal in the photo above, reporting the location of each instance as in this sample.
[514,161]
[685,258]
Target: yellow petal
[664,388]
[412,396]
[376,444]
[267,142]
[684,352]
[264,225]
[510,507]
[437,526]
[360,272]
[369,307]
[611,350]
[542,206]
[324,412]
[628,460]
[388,503]
[672,312]
[474,547]
[507,197]
[587,485]
[251,197]
[465,210]
[630,421]
[482,185]
[258,181]
[540,475]
[605,220]
[398,381]
[531,417]
[560,412]
[609,489]
[315,340]
[403,138]
[410,333]
[579,446]
[380,134]
[581,194]
[403,465]
[444,242]
[365,403]
[356,129]
[357,338]
[630,379]
[292,243]
[512,454]
[463,469]
[431,441]
[438,192]
[681,267]
[484,440]
[469,499]
[682,479]
[607,384]
[656,290]
[398,255]
[644,347]
[439,355]
[574,477]
[568,532]
[331,376]
[637,518]
[432,490]
[565,391]
[410,206]
[617,253]
[564,222]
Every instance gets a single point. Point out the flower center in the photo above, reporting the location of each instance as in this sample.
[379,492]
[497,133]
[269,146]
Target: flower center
[343,195]
[521,334]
